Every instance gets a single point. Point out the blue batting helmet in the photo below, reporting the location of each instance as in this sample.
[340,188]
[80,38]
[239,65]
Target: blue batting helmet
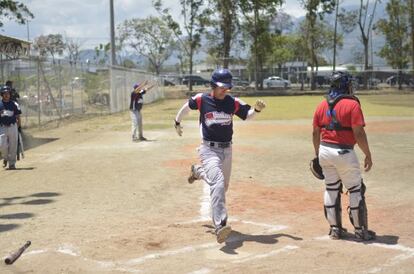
[135,86]
[5,89]
[221,78]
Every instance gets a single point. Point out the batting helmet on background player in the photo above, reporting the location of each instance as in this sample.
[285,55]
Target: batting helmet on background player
[135,86]
[5,89]
[221,78]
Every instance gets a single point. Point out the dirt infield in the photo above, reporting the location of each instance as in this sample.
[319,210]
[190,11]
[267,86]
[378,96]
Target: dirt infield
[90,200]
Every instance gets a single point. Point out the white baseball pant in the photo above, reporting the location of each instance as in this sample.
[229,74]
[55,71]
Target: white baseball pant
[9,143]
[136,125]
[340,164]
[215,171]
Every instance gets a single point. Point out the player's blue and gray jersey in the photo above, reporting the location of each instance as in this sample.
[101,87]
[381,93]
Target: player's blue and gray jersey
[8,112]
[137,100]
[216,116]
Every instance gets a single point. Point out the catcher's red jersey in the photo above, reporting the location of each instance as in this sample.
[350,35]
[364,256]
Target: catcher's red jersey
[348,112]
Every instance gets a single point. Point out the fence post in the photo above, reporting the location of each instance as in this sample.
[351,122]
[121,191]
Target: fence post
[38,92]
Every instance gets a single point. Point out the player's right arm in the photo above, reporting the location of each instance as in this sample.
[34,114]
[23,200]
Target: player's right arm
[193,103]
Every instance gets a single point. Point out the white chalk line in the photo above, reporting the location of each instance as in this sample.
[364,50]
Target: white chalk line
[268,254]
[201,271]
[407,253]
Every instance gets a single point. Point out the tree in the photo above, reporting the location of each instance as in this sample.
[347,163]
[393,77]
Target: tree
[51,44]
[105,49]
[281,23]
[411,11]
[14,10]
[363,18]
[257,15]
[322,41]
[73,48]
[224,27]
[396,30]
[282,48]
[314,9]
[150,37]
[194,20]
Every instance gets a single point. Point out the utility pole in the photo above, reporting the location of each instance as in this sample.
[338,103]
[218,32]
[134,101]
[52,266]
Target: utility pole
[112,27]
[335,35]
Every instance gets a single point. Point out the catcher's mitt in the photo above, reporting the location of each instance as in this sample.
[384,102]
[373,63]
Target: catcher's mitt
[316,169]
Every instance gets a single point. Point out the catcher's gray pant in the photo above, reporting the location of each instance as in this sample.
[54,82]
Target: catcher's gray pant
[9,135]
[136,125]
[215,171]
[339,164]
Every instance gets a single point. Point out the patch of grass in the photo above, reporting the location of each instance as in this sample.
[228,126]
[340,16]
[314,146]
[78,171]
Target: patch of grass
[289,107]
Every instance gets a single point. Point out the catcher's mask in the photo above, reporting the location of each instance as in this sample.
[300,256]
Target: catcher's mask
[341,82]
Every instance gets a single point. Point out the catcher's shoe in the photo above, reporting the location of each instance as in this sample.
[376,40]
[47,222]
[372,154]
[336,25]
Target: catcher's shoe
[336,233]
[364,235]
[12,167]
[222,233]
[192,176]
[4,163]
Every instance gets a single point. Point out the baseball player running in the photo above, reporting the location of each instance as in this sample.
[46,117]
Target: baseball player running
[338,124]
[216,127]
[135,107]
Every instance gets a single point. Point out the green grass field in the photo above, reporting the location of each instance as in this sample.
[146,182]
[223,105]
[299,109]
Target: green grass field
[294,107]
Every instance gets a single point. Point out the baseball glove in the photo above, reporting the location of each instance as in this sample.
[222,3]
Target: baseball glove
[316,169]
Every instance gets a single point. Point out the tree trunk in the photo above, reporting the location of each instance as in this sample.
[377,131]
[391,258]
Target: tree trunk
[412,34]
[191,69]
[227,28]
[365,40]
[256,55]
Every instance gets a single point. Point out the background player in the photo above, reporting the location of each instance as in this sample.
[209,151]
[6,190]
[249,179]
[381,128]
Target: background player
[135,107]
[338,124]
[9,124]
[216,125]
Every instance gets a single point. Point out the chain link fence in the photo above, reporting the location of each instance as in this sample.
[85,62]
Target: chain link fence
[54,90]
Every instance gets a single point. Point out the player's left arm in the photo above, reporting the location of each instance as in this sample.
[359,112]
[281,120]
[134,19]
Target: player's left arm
[245,111]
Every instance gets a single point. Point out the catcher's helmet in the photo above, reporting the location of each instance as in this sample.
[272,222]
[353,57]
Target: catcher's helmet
[5,89]
[341,81]
[221,78]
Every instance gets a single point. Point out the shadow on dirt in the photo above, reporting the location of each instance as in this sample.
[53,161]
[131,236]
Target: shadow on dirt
[32,199]
[30,142]
[379,239]
[236,240]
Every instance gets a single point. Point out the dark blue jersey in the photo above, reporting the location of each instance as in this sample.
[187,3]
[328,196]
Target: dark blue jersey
[8,112]
[136,100]
[216,116]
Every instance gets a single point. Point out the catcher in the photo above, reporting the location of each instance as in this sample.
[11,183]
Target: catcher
[338,124]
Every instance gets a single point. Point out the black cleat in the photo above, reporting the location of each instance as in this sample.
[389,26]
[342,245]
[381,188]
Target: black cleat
[364,235]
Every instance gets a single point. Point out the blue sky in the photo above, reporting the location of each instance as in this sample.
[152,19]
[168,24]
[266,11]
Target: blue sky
[88,20]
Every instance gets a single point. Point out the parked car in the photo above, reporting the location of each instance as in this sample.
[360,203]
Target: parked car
[276,81]
[237,82]
[168,83]
[195,80]
[405,80]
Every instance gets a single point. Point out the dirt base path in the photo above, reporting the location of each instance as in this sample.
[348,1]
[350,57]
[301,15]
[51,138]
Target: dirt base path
[90,200]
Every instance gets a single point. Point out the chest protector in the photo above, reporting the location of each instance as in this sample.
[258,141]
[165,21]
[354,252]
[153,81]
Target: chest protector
[334,124]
